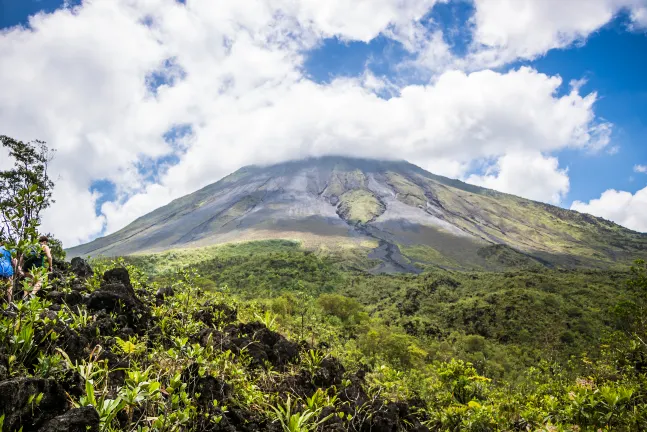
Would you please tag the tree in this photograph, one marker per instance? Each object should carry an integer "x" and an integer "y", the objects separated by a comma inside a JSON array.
[
  {"x": 25, "y": 191},
  {"x": 345, "y": 308}
]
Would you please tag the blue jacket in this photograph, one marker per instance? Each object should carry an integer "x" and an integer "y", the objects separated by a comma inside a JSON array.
[{"x": 6, "y": 267}]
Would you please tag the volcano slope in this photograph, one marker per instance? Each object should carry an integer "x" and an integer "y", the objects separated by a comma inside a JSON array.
[{"x": 403, "y": 217}]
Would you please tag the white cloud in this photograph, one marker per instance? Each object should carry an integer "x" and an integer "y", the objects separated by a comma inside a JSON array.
[
  {"x": 531, "y": 175},
  {"x": 510, "y": 29},
  {"x": 621, "y": 207},
  {"x": 639, "y": 17},
  {"x": 640, "y": 169},
  {"x": 82, "y": 86},
  {"x": 504, "y": 31},
  {"x": 74, "y": 210}
]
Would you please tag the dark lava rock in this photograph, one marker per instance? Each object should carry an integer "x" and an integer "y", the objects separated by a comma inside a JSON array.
[
  {"x": 73, "y": 298},
  {"x": 384, "y": 418},
  {"x": 60, "y": 266},
  {"x": 103, "y": 325},
  {"x": 283, "y": 352},
  {"x": 79, "y": 286},
  {"x": 4, "y": 368},
  {"x": 117, "y": 295},
  {"x": 333, "y": 423},
  {"x": 74, "y": 344},
  {"x": 354, "y": 394},
  {"x": 209, "y": 387},
  {"x": 73, "y": 383},
  {"x": 248, "y": 421},
  {"x": 113, "y": 298},
  {"x": 49, "y": 314},
  {"x": 262, "y": 343},
  {"x": 162, "y": 294},
  {"x": 330, "y": 372},
  {"x": 214, "y": 315},
  {"x": 18, "y": 412},
  {"x": 118, "y": 275},
  {"x": 55, "y": 297},
  {"x": 75, "y": 420},
  {"x": 81, "y": 268},
  {"x": 299, "y": 383},
  {"x": 257, "y": 341}
]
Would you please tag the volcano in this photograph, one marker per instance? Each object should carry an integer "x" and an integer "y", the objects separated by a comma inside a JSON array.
[{"x": 404, "y": 217}]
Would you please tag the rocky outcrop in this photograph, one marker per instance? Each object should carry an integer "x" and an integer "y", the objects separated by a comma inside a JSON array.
[
  {"x": 81, "y": 268},
  {"x": 259, "y": 343},
  {"x": 28, "y": 403},
  {"x": 117, "y": 295},
  {"x": 84, "y": 419}
]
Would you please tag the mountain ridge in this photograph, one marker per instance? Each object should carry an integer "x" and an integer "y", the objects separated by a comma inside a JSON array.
[{"x": 410, "y": 218}]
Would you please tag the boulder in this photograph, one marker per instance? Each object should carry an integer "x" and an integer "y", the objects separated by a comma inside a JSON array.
[
  {"x": 20, "y": 412},
  {"x": 81, "y": 268},
  {"x": 208, "y": 387},
  {"x": 55, "y": 297},
  {"x": 74, "y": 298},
  {"x": 162, "y": 294},
  {"x": 215, "y": 315},
  {"x": 118, "y": 275},
  {"x": 84, "y": 419},
  {"x": 4, "y": 368},
  {"x": 79, "y": 286},
  {"x": 113, "y": 298},
  {"x": 117, "y": 295},
  {"x": 259, "y": 343},
  {"x": 330, "y": 373}
]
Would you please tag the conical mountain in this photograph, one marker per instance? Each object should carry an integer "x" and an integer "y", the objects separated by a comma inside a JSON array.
[{"x": 399, "y": 213}]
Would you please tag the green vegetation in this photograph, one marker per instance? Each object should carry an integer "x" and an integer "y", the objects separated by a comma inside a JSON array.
[
  {"x": 407, "y": 192},
  {"x": 443, "y": 351},
  {"x": 426, "y": 254},
  {"x": 520, "y": 316},
  {"x": 359, "y": 206}
]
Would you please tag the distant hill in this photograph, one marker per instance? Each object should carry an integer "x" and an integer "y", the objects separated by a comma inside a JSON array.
[{"x": 402, "y": 215}]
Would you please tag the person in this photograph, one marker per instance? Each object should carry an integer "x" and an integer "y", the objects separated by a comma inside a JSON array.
[
  {"x": 37, "y": 259},
  {"x": 7, "y": 265}
]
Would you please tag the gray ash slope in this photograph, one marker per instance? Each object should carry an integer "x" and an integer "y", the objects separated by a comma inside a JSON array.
[{"x": 406, "y": 214}]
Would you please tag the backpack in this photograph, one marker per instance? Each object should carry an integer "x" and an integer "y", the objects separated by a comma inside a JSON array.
[
  {"x": 6, "y": 268},
  {"x": 33, "y": 258}
]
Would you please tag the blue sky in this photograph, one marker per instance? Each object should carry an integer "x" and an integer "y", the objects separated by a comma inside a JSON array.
[
  {"x": 612, "y": 63},
  {"x": 194, "y": 92},
  {"x": 17, "y": 12}
]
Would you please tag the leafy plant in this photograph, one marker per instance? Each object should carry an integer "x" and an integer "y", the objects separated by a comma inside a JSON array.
[
  {"x": 312, "y": 360},
  {"x": 292, "y": 420},
  {"x": 268, "y": 319}
]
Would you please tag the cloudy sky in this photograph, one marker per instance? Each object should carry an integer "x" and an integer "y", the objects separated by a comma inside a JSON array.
[{"x": 148, "y": 100}]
